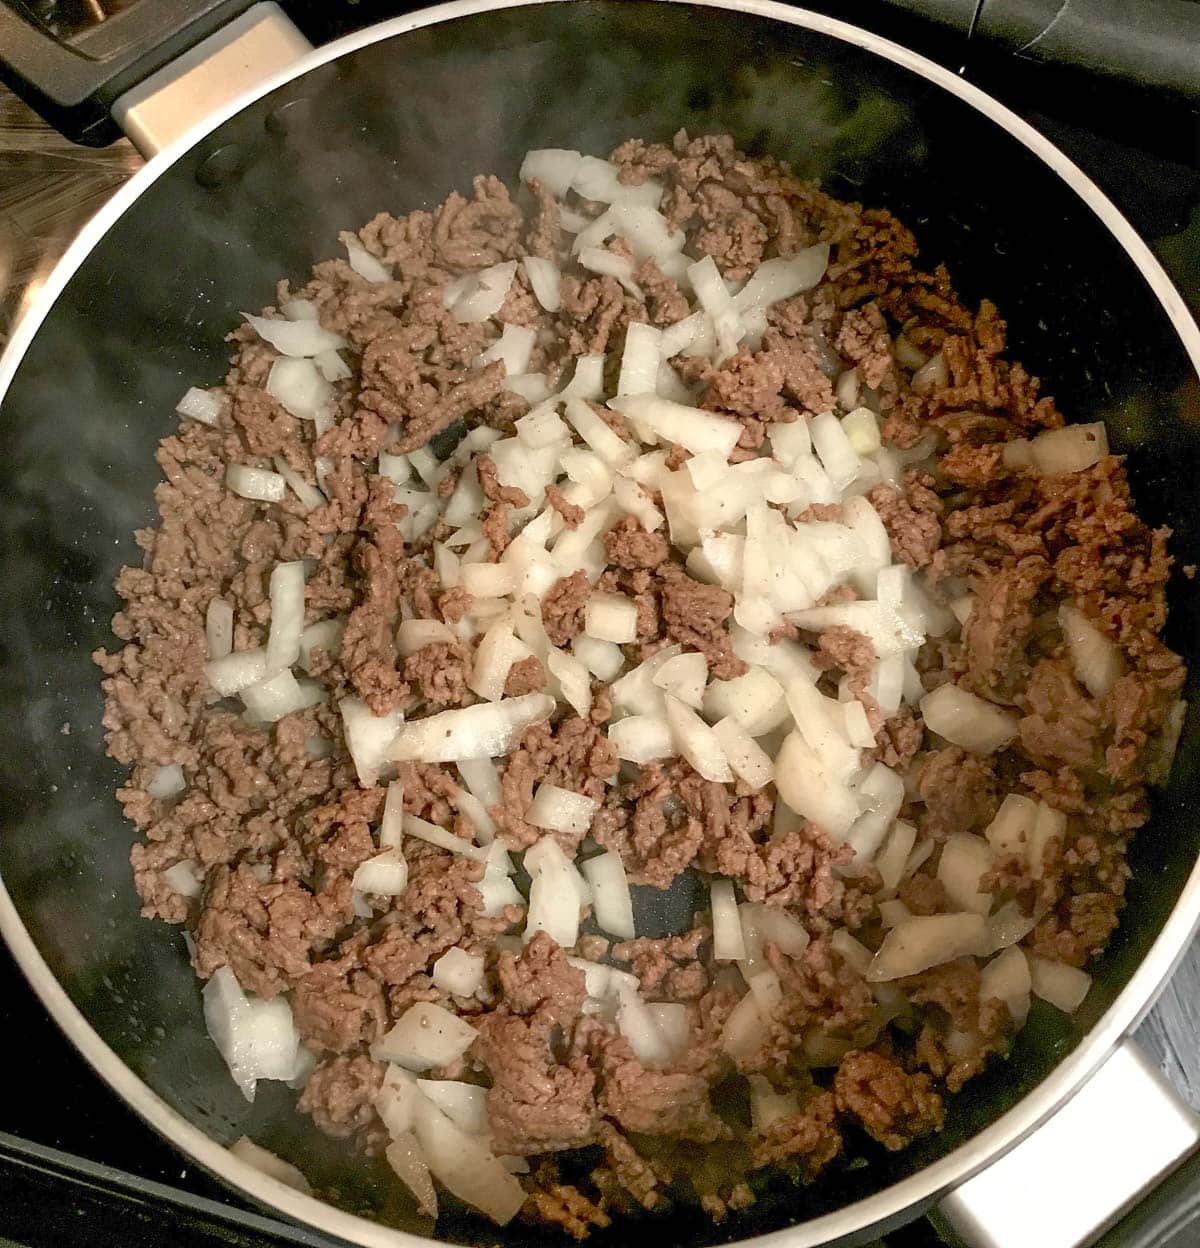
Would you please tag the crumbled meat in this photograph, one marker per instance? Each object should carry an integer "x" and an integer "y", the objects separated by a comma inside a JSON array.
[{"x": 273, "y": 822}]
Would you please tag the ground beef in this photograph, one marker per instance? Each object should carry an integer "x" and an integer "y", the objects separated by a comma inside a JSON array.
[{"x": 273, "y": 822}]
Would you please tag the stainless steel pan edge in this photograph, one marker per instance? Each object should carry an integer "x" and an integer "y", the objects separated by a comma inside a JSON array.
[{"x": 865, "y": 1218}]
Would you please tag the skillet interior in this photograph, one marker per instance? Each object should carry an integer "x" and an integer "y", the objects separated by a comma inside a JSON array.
[{"x": 396, "y": 125}]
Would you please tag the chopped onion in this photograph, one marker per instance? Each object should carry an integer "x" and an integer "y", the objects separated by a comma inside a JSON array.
[
  {"x": 861, "y": 427},
  {"x": 257, "y": 1038},
  {"x": 414, "y": 635},
  {"x": 965, "y": 859},
  {"x": 1049, "y": 825},
  {"x": 279, "y": 695},
  {"x": 385, "y": 875},
  {"x": 300, "y": 386},
  {"x": 838, "y": 457},
  {"x": 553, "y": 167},
  {"x": 487, "y": 580},
  {"x": 300, "y": 310},
  {"x": 235, "y": 672},
  {"x": 405, "y": 1157},
  {"x": 690, "y": 427},
  {"x": 610, "y": 264},
  {"x": 483, "y": 293},
  {"x": 697, "y": 742},
  {"x": 640, "y": 359},
  {"x": 182, "y": 879},
  {"x": 603, "y": 659},
  {"x": 560, "y": 810},
  {"x": 728, "y": 945},
  {"x": 639, "y": 1025},
  {"x": 647, "y": 231},
  {"x": 465, "y": 1104},
  {"x": 598, "y": 179},
  {"x": 1009, "y": 925},
  {"x": 554, "y": 895},
  {"x": 544, "y": 280},
  {"x": 1064, "y": 987},
  {"x": 218, "y": 628},
  {"x": 425, "y": 1036},
  {"x": 642, "y": 738},
  {"x": 308, "y": 494},
  {"x": 778, "y": 279},
  {"x": 458, "y": 972},
  {"x": 893, "y": 912},
  {"x": 684, "y": 676},
  {"x": 369, "y": 738},
  {"x": 201, "y": 405},
  {"x": 269, "y": 1164},
  {"x": 481, "y": 779},
  {"x": 811, "y": 790},
  {"x": 1096, "y": 659},
  {"x": 513, "y": 347},
  {"x": 465, "y": 1166},
  {"x": 716, "y": 301},
  {"x": 967, "y": 721},
  {"x": 755, "y": 700},
  {"x": 608, "y": 445},
  {"x": 332, "y": 366},
  {"x": 613, "y": 905},
  {"x": 256, "y": 484},
  {"x": 488, "y": 730},
  {"x": 853, "y": 952},
  {"x": 632, "y": 498},
  {"x": 932, "y": 375},
  {"x": 587, "y": 381},
  {"x": 767, "y": 1106},
  {"x": 1071, "y": 449},
  {"x": 745, "y": 1029},
  {"x": 891, "y": 859},
  {"x": 1007, "y": 978},
  {"x": 671, "y": 1019},
  {"x": 295, "y": 338},
  {"x": 426, "y": 831},
  {"x": 1009, "y": 832},
  {"x": 287, "y": 615},
  {"x": 924, "y": 941},
  {"x": 610, "y": 617},
  {"x": 749, "y": 761},
  {"x": 542, "y": 426},
  {"x": 361, "y": 261}
]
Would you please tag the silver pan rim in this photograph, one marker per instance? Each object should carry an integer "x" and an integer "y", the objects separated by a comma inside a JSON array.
[{"x": 885, "y": 1209}]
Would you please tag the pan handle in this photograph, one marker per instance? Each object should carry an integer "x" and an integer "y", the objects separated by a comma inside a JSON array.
[
  {"x": 1117, "y": 1166},
  {"x": 152, "y": 69}
]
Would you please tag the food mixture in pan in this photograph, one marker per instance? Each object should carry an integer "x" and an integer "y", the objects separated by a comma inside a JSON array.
[{"x": 656, "y": 525}]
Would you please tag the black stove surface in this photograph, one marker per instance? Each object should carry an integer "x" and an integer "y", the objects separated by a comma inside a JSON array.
[{"x": 77, "y": 1168}]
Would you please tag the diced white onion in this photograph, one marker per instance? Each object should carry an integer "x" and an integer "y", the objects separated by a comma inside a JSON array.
[
  {"x": 407, "y": 1160},
  {"x": 300, "y": 386},
  {"x": 332, "y": 366},
  {"x": 369, "y": 738},
  {"x": 385, "y": 875},
  {"x": 691, "y": 427},
  {"x": 684, "y": 676},
  {"x": 458, "y": 972},
  {"x": 1096, "y": 659},
  {"x": 201, "y": 405},
  {"x": 728, "y": 945},
  {"x": 257, "y": 1038},
  {"x": 425, "y": 1036},
  {"x": 235, "y": 672},
  {"x": 1071, "y": 449},
  {"x": 256, "y": 484},
  {"x": 965, "y": 858},
  {"x": 603, "y": 659},
  {"x": 745, "y": 1029},
  {"x": 218, "y": 628},
  {"x": 488, "y": 730},
  {"x": 361, "y": 261},
  {"x": 613, "y": 904},
  {"x": 780, "y": 278},
  {"x": 640, "y": 359},
  {"x": 269, "y": 1164},
  {"x": 598, "y": 179},
  {"x": 1007, "y": 978},
  {"x": 544, "y": 280},
  {"x": 435, "y": 835},
  {"x": 924, "y": 941},
  {"x": 611, "y": 448},
  {"x": 967, "y": 721},
  {"x": 749, "y": 761},
  {"x": 560, "y": 810},
  {"x": 1064, "y": 987},
  {"x": 295, "y": 338},
  {"x": 1009, "y": 832},
  {"x": 806, "y": 784},
  {"x": 182, "y": 879},
  {"x": 642, "y": 738},
  {"x": 554, "y": 895},
  {"x": 287, "y": 615},
  {"x": 697, "y": 742},
  {"x": 513, "y": 347},
  {"x": 610, "y": 617},
  {"x": 483, "y": 293},
  {"x": 553, "y": 167},
  {"x": 891, "y": 859}
]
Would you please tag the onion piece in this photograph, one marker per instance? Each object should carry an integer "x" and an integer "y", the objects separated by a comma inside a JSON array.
[
  {"x": 728, "y": 944},
  {"x": 542, "y": 426},
  {"x": 385, "y": 875},
  {"x": 861, "y": 427},
  {"x": 423, "y": 830},
  {"x": 415, "y": 635},
  {"x": 967, "y": 721},
  {"x": 218, "y": 628},
  {"x": 642, "y": 738},
  {"x": 640, "y": 359},
  {"x": 598, "y": 179},
  {"x": 853, "y": 952},
  {"x": 465, "y": 1166},
  {"x": 1070, "y": 449},
  {"x": 965, "y": 859},
  {"x": 690, "y": 427},
  {"x": 295, "y": 338},
  {"x": 1049, "y": 825},
  {"x": 308, "y": 494},
  {"x": 1096, "y": 659},
  {"x": 778, "y": 279},
  {"x": 484, "y": 731},
  {"x": 234, "y": 672},
  {"x": 744, "y": 1030},
  {"x": 755, "y": 700},
  {"x": 481, "y": 779},
  {"x": 287, "y": 615},
  {"x": 300, "y": 310},
  {"x": 811, "y": 790},
  {"x": 332, "y": 366},
  {"x": 396, "y": 1100},
  {"x": 280, "y": 695},
  {"x": 609, "y": 263},
  {"x": 268, "y": 1163},
  {"x": 767, "y": 1106},
  {"x": 610, "y": 617},
  {"x": 465, "y": 1104},
  {"x": 391, "y": 823},
  {"x": 748, "y": 760},
  {"x": 1009, "y": 832},
  {"x": 361, "y": 261},
  {"x": 554, "y": 895},
  {"x": 406, "y": 1159},
  {"x": 833, "y": 448},
  {"x": 604, "y": 659},
  {"x": 425, "y": 1036},
  {"x": 553, "y": 167},
  {"x": 483, "y": 294},
  {"x": 1007, "y": 978},
  {"x": 671, "y": 1019},
  {"x": 891, "y": 859},
  {"x": 182, "y": 879},
  {"x": 1064, "y": 987},
  {"x": 697, "y": 742},
  {"x": 587, "y": 381},
  {"x": 608, "y": 445},
  {"x": 513, "y": 347},
  {"x": 714, "y": 298},
  {"x": 458, "y": 972},
  {"x": 684, "y": 676},
  {"x": 256, "y": 484},
  {"x": 300, "y": 386},
  {"x": 257, "y": 1038},
  {"x": 639, "y": 1025},
  {"x": 369, "y": 738},
  {"x": 561, "y": 810},
  {"x": 544, "y": 280},
  {"x": 201, "y": 405},
  {"x": 611, "y": 900},
  {"x": 924, "y": 941}
]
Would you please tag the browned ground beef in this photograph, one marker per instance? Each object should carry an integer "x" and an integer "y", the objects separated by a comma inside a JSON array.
[{"x": 276, "y": 829}]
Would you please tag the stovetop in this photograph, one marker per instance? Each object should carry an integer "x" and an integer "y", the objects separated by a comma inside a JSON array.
[{"x": 76, "y": 1167}]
